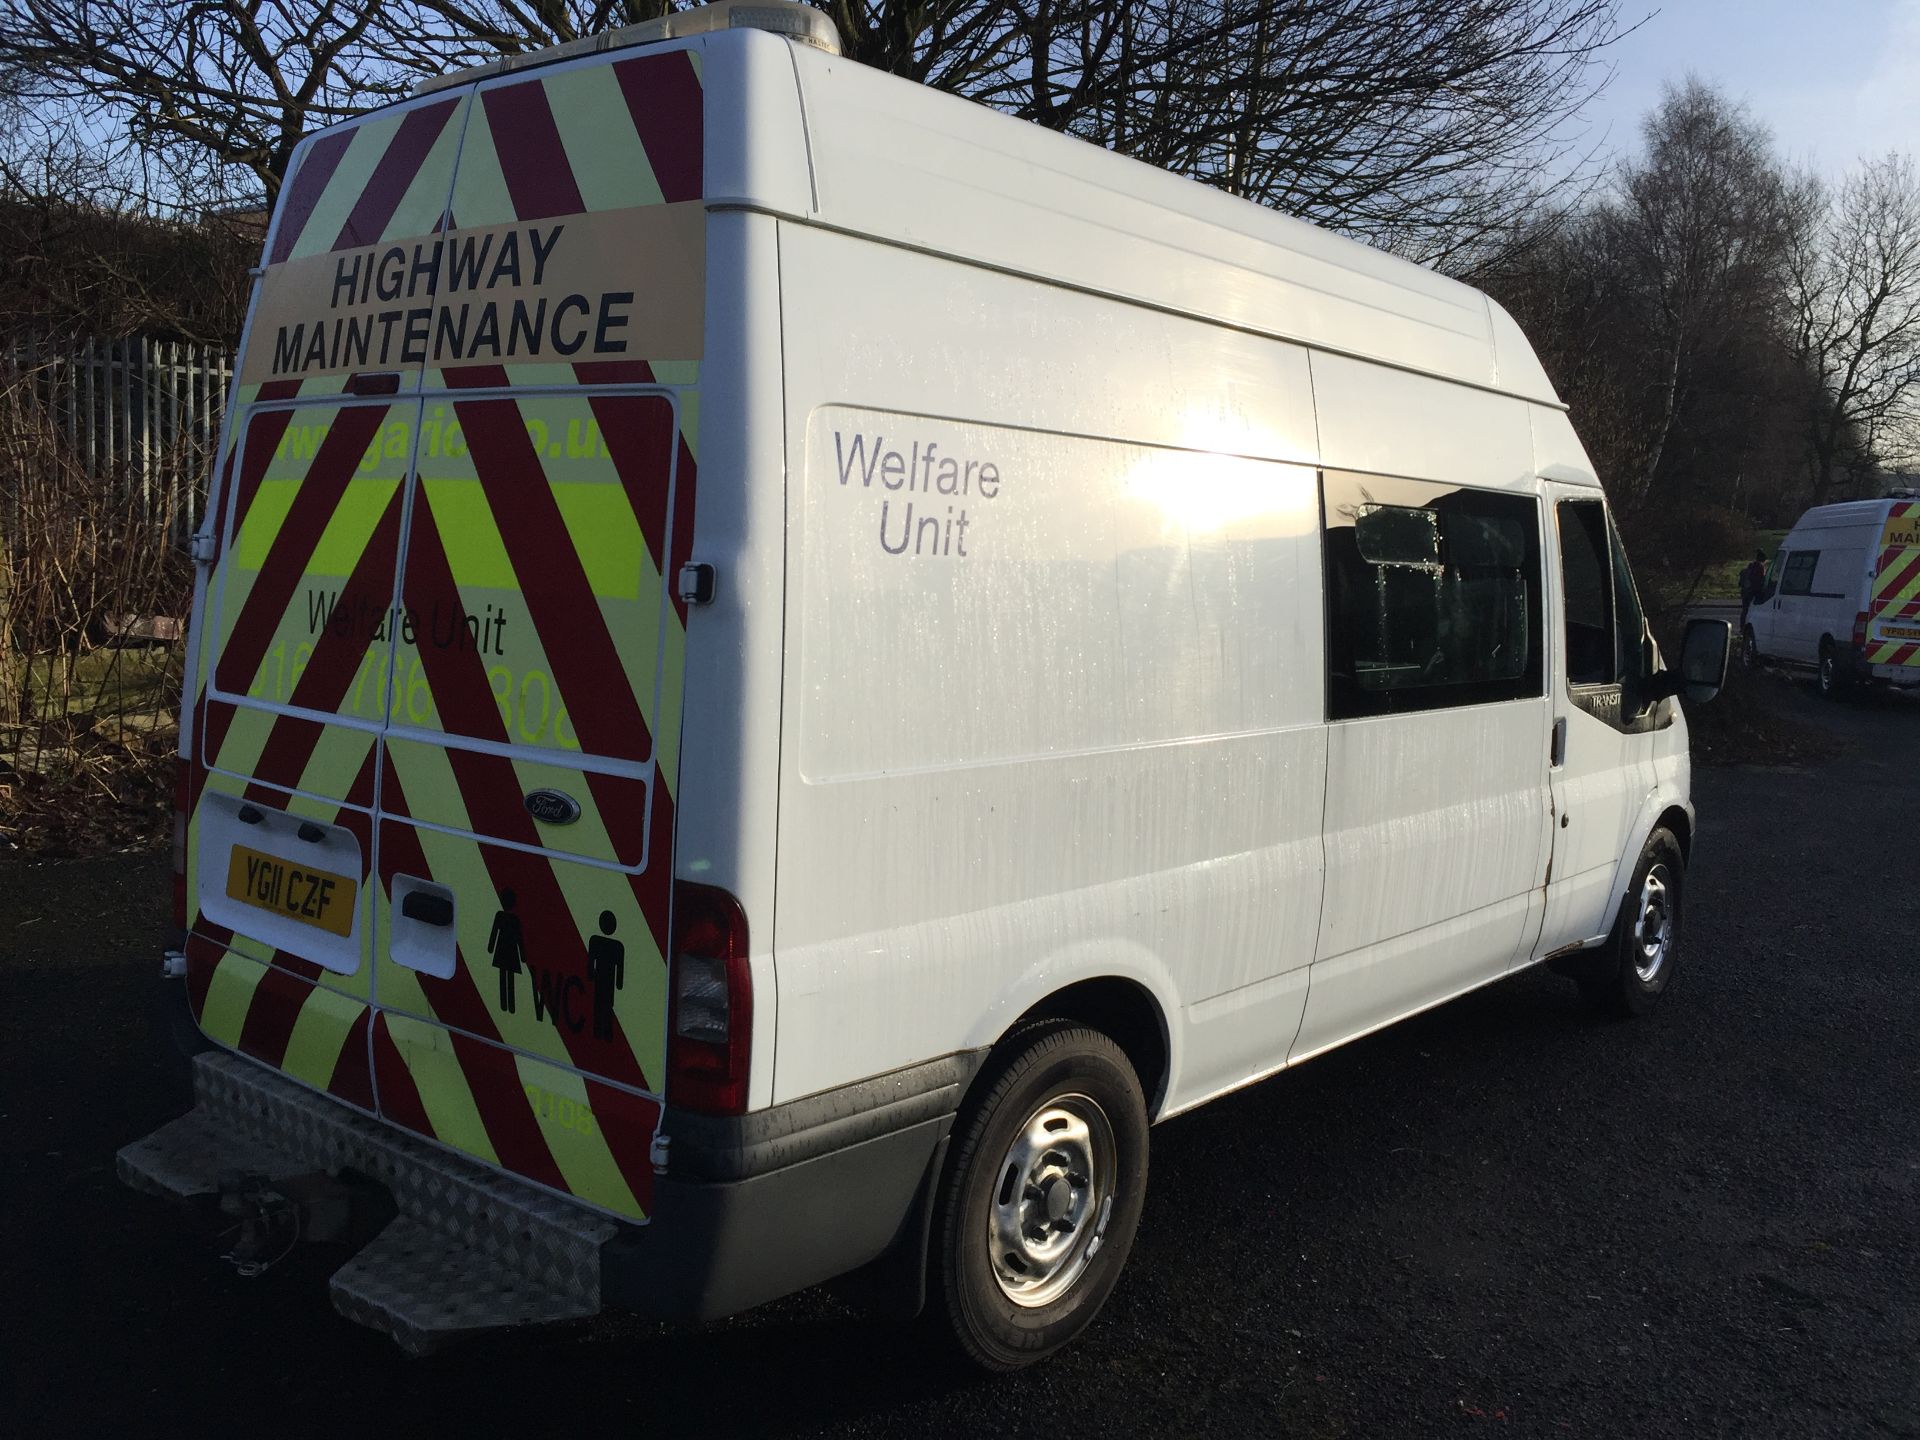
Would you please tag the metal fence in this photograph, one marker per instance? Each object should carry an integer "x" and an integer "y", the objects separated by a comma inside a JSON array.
[{"x": 143, "y": 413}]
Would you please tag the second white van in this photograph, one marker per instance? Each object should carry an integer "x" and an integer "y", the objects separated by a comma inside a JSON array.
[{"x": 1842, "y": 596}]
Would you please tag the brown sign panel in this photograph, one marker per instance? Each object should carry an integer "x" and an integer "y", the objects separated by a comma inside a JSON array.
[{"x": 614, "y": 285}]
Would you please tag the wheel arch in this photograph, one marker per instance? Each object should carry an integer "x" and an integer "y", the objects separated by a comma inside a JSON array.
[
  {"x": 1124, "y": 1010},
  {"x": 1661, "y": 810}
]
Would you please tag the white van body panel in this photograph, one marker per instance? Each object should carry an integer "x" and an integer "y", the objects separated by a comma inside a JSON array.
[
  {"x": 1277, "y": 884},
  {"x": 733, "y": 753},
  {"x": 952, "y": 851}
]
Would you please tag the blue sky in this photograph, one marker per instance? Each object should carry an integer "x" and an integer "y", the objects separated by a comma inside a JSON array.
[{"x": 1833, "y": 79}]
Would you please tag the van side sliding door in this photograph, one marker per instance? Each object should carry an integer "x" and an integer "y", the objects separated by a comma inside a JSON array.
[{"x": 1436, "y": 808}]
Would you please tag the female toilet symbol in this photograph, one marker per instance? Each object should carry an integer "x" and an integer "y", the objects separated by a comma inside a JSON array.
[{"x": 504, "y": 944}]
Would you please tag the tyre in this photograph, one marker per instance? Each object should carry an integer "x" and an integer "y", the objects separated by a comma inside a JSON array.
[
  {"x": 1749, "y": 649},
  {"x": 1041, "y": 1195},
  {"x": 1831, "y": 680},
  {"x": 1640, "y": 955}
]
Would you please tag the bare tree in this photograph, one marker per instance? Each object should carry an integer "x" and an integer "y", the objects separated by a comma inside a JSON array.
[
  {"x": 1697, "y": 244},
  {"x": 1426, "y": 125},
  {"x": 1856, "y": 310}
]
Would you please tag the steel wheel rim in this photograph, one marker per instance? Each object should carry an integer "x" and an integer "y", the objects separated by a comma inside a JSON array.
[
  {"x": 1653, "y": 929},
  {"x": 1052, "y": 1199}
]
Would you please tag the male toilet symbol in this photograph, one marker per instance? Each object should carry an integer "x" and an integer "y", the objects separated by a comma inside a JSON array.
[
  {"x": 607, "y": 971},
  {"x": 504, "y": 945}
]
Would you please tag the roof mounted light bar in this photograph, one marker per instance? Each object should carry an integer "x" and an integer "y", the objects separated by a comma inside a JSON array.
[{"x": 783, "y": 17}]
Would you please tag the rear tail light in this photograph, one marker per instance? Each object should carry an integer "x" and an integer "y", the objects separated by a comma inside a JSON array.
[
  {"x": 1860, "y": 630},
  {"x": 710, "y": 1003},
  {"x": 182, "y": 770}
]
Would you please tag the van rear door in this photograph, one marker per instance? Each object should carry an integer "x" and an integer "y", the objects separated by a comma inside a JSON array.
[
  {"x": 1893, "y": 618},
  {"x": 294, "y": 648},
  {"x": 501, "y": 615}
]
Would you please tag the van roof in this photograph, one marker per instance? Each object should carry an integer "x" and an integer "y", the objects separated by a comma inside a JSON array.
[
  {"x": 1844, "y": 513},
  {"x": 898, "y": 161}
]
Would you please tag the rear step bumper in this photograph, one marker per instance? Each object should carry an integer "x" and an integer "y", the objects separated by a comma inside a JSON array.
[
  {"x": 471, "y": 1248},
  {"x": 750, "y": 1208}
]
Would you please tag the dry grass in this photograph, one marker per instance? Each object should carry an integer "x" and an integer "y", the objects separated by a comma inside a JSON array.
[{"x": 86, "y": 723}]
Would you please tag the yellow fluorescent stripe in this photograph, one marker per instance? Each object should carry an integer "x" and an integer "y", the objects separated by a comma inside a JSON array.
[
  {"x": 479, "y": 189},
  {"x": 606, "y": 536},
  {"x": 246, "y": 737},
  {"x": 475, "y": 552},
  {"x": 427, "y": 783},
  {"x": 426, "y": 198},
  {"x": 264, "y": 517},
  {"x": 229, "y": 993},
  {"x": 335, "y": 764},
  {"x": 450, "y": 1107},
  {"x": 399, "y": 986},
  {"x": 345, "y": 186},
  {"x": 558, "y": 1099},
  {"x": 603, "y": 148},
  {"x": 350, "y": 528},
  {"x": 319, "y": 1033}
]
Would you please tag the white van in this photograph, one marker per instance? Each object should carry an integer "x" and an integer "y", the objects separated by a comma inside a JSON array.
[
  {"x": 1843, "y": 596},
  {"x": 784, "y": 663}
]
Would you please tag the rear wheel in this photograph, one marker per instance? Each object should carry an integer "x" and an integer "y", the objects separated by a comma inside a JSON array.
[
  {"x": 1041, "y": 1196},
  {"x": 1638, "y": 963},
  {"x": 1832, "y": 680}
]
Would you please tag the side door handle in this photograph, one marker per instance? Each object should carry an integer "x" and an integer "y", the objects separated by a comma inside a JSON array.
[{"x": 1558, "y": 755}]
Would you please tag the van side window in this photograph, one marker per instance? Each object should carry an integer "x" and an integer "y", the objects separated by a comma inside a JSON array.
[
  {"x": 1586, "y": 569},
  {"x": 1797, "y": 577},
  {"x": 1433, "y": 596}
]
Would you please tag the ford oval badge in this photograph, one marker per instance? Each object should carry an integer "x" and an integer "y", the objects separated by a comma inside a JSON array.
[{"x": 553, "y": 807}]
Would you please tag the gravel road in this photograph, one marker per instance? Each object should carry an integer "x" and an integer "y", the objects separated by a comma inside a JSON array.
[{"x": 1502, "y": 1215}]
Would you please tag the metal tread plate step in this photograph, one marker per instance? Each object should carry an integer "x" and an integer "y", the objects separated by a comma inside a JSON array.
[
  {"x": 427, "y": 1291},
  {"x": 471, "y": 1248}
]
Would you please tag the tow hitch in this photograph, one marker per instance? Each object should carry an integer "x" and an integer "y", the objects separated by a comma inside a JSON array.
[{"x": 271, "y": 1216}]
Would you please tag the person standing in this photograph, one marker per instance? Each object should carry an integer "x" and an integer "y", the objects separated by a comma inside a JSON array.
[{"x": 1753, "y": 580}]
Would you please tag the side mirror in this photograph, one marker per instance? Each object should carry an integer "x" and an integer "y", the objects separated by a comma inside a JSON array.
[{"x": 1703, "y": 659}]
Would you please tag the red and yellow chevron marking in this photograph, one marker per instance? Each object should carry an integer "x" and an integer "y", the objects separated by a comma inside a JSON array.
[
  {"x": 1894, "y": 628},
  {"x": 536, "y": 645},
  {"x": 536, "y": 547}
]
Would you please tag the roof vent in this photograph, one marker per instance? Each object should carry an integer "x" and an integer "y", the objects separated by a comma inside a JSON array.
[{"x": 783, "y": 17}]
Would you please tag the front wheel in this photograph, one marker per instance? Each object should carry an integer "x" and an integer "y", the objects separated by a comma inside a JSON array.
[
  {"x": 1638, "y": 961},
  {"x": 1041, "y": 1196}
]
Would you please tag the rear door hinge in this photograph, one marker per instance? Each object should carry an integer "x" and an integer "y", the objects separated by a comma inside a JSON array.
[
  {"x": 202, "y": 548},
  {"x": 697, "y": 582}
]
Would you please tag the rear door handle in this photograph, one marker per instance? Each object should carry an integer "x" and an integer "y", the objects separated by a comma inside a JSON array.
[{"x": 427, "y": 907}]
